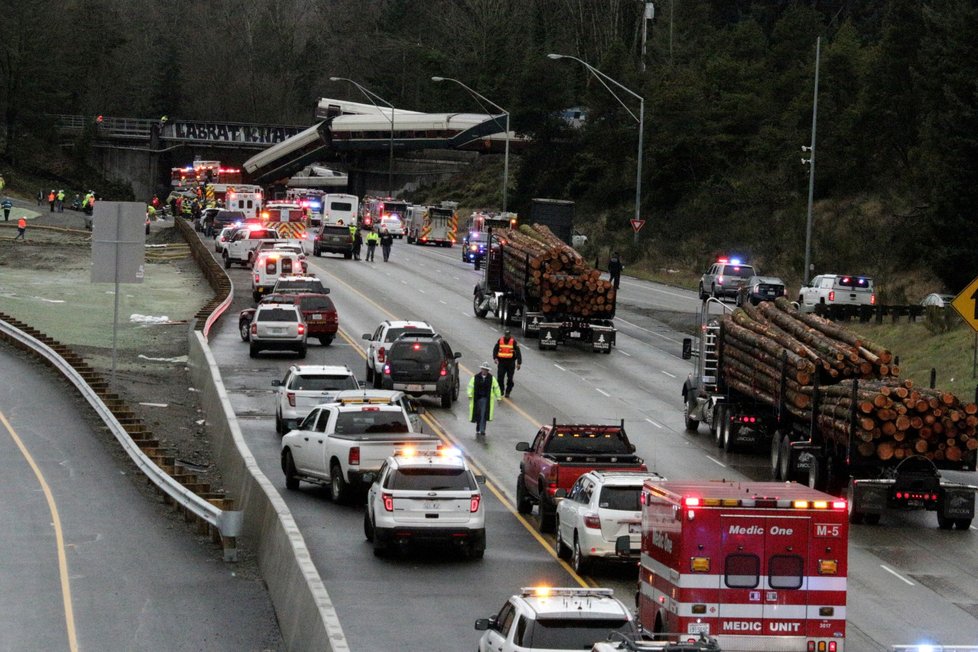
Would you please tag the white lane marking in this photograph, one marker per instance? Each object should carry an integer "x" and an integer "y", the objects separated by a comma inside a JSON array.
[
  {"x": 627, "y": 355},
  {"x": 443, "y": 302},
  {"x": 668, "y": 339},
  {"x": 463, "y": 313},
  {"x": 657, "y": 425},
  {"x": 974, "y": 528},
  {"x": 713, "y": 459},
  {"x": 667, "y": 373},
  {"x": 559, "y": 367},
  {"x": 896, "y": 574},
  {"x": 603, "y": 392},
  {"x": 402, "y": 282},
  {"x": 421, "y": 291}
]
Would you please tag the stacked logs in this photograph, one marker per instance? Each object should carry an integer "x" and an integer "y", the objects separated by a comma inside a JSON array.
[
  {"x": 890, "y": 420},
  {"x": 553, "y": 274}
]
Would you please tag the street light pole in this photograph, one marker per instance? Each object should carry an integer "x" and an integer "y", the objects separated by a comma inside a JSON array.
[
  {"x": 370, "y": 96},
  {"x": 640, "y": 119},
  {"x": 811, "y": 168},
  {"x": 499, "y": 108}
]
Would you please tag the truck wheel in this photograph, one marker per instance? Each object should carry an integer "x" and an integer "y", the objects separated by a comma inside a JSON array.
[
  {"x": 721, "y": 417},
  {"x": 244, "y": 329},
  {"x": 288, "y": 467},
  {"x": 253, "y": 350},
  {"x": 326, "y": 340},
  {"x": 785, "y": 461},
  {"x": 446, "y": 398},
  {"x": 476, "y": 301},
  {"x": 370, "y": 374},
  {"x": 524, "y": 504},
  {"x": 580, "y": 563},
  {"x": 547, "y": 516},
  {"x": 689, "y": 405},
  {"x": 501, "y": 311},
  {"x": 855, "y": 517},
  {"x": 279, "y": 424},
  {"x": 227, "y": 261},
  {"x": 816, "y": 475},
  {"x": 368, "y": 527},
  {"x": 729, "y": 435},
  {"x": 962, "y": 523},
  {"x": 872, "y": 519},
  {"x": 378, "y": 379},
  {"x": 944, "y": 522},
  {"x": 337, "y": 485},
  {"x": 455, "y": 390},
  {"x": 776, "y": 455}
]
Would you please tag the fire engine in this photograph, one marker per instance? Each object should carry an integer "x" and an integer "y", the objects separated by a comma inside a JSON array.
[
  {"x": 761, "y": 566},
  {"x": 204, "y": 172},
  {"x": 482, "y": 221},
  {"x": 375, "y": 212},
  {"x": 290, "y": 219}
]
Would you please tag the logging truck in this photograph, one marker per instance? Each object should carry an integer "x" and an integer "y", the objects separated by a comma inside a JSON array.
[
  {"x": 831, "y": 412},
  {"x": 537, "y": 282}
]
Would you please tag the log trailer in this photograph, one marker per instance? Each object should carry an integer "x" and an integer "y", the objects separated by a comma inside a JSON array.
[
  {"x": 830, "y": 445},
  {"x": 514, "y": 303}
]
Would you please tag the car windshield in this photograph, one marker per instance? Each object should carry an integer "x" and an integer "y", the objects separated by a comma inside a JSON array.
[
  {"x": 625, "y": 499},
  {"x": 394, "y": 333},
  {"x": 570, "y": 634},
  {"x": 587, "y": 443},
  {"x": 430, "y": 479},
  {"x": 277, "y": 314},
  {"x": 370, "y": 420},
  {"x": 321, "y": 382},
  {"x": 318, "y": 302},
  {"x": 740, "y": 271},
  {"x": 422, "y": 352}
]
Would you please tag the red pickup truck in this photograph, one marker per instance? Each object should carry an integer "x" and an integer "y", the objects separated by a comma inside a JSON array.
[{"x": 560, "y": 454}]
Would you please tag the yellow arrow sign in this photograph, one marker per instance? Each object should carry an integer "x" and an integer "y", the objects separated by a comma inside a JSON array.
[{"x": 966, "y": 303}]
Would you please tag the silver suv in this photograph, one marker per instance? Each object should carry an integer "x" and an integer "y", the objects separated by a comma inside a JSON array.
[
  {"x": 424, "y": 496},
  {"x": 277, "y": 327},
  {"x": 724, "y": 278},
  {"x": 306, "y": 386}
]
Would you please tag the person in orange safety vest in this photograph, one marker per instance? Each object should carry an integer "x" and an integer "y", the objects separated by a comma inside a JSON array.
[{"x": 508, "y": 359}]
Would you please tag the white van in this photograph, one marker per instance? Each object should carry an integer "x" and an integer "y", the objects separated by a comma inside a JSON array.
[
  {"x": 269, "y": 266},
  {"x": 340, "y": 209}
]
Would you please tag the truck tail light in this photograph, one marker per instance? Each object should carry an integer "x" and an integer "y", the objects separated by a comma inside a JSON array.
[
  {"x": 257, "y": 278},
  {"x": 474, "y": 503},
  {"x": 388, "y": 502},
  {"x": 831, "y": 295},
  {"x": 291, "y": 397},
  {"x": 592, "y": 521},
  {"x": 302, "y": 329},
  {"x": 381, "y": 355},
  {"x": 354, "y": 457},
  {"x": 872, "y": 299}
]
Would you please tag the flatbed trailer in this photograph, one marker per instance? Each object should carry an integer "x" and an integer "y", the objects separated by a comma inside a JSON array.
[
  {"x": 802, "y": 451},
  {"x": 513, "y": 304}
]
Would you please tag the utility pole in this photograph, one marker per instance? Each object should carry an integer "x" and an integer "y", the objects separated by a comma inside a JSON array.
[{"x": 811, "y": 168}]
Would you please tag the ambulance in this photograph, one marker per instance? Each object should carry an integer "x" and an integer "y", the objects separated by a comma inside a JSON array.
[{"x": 761, "y": 566}]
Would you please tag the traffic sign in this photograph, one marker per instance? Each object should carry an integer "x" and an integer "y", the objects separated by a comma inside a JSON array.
[
  {"x": 966, "y": 303},
  {"x": 637, "y": 225}
]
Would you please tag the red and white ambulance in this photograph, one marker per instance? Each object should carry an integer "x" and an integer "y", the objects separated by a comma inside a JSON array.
[{"x": 759, "y": 565}]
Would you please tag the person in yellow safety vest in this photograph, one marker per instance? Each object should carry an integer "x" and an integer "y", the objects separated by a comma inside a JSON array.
[
  {"x": 508, "y": 359},
  {"x": 483, "y": 392},
  {"x": 61, "y": 201},
  {"x": 151, "y": 212},
  {"x": 373, "y": 239}
]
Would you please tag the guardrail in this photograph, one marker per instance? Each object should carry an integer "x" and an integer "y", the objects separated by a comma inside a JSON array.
[
  {"x": 869, "y": 313},
  {"x": 215, "y": 275},
  {"x": 228, "y": 523}
]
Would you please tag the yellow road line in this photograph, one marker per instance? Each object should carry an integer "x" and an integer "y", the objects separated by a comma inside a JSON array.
[{"x": 59, "y": 536}]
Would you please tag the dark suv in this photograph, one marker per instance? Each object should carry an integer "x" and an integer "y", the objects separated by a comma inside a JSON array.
[
  {"x": 335, "y": 239},
  {"x": 223, "y": 218},
  {"x": 422, "y": 364}
]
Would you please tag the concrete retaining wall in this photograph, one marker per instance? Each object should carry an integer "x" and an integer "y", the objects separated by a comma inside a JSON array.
[{"x": 305, "y": 612}]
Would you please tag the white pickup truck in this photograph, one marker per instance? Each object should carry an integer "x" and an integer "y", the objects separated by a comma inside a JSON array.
[
  {"x": 241, "y": 248},
  {"x": 336, "y": 445},
  {"x": 835, "y": 289}
]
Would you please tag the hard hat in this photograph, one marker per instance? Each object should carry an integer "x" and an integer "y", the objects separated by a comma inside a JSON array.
[
  {"x": 485, "y": 365},
  {"x": 507, "y": 332}
]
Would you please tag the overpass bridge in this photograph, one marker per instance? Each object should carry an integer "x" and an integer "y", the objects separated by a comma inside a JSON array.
[{"x": 369, "y": 143}]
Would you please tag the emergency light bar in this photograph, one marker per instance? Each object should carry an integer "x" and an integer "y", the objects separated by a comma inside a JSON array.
[
  {"x": 762, "y": 502},
  {"x": 570, "y": 592}
]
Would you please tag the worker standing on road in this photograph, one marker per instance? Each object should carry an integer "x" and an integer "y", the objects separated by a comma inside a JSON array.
[
  {"x": 483, "y": 392},
  {"x": 40, "y": 197},
  {"x": 21, "y": 229},
  {"x": 51, "y": 198},
  {"x": 386, "y": 242},
  {"x": 372, "y": 241},
  {"x": 508, "y": 359},
  {"x": 60, "y": 203},
  {"x": 7, "y": 205},
  {"x": 357, "y": 242},
  {"x": 614, "y": 269}
]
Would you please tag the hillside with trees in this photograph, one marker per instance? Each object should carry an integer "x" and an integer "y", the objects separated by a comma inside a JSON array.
[{"x": 728, "y": 89}]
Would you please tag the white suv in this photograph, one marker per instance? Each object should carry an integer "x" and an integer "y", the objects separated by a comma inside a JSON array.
[
  {"x": 277, "y": 326},
  {"x": 600, "y": 508},
  {"x": 306, "y": 386},
  {"x": 379, "y": 343},
  {"x": 426, "y": 496},
  {"x": 546, "y": 618},
  {"x": 269, "y": 266}
]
